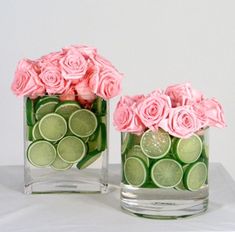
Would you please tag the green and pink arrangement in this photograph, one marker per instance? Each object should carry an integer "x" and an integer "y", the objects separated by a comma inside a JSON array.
[{"x": 180, "y": 110}]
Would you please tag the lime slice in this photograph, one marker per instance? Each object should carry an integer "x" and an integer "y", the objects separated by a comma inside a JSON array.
[
  {"x": 40, "y": 100},
  {"x": 60, "y": 165},
  {"x": 126, "y": 142},
  {"x": 29, "y": 133},
  {"x": 30, "y": 117},
  {"x": 66, "y": 108},
  {"x": 88, "y": 159},
  {"x": 52, "y": 127},
  {"x": 135, "y": 171},
  {"x": 83, "y": 123},
  {"x": 137, "y": 152},
  {"x": 155, "y": 144},
  {"x": 180, "y": 186},
  {"x": 166, "y": 173},
  {"x": 71, "y": 149},
  {"x": 100, "y": 143},
  {"x": 41, "y": 153},
  {"x": 45, "y": 106},
  {"x": 195, "y": 176},
  {"x": 99, "y": 106},
  {"x": 188, "y": 150},
  {"x": 36, "y": 133}
]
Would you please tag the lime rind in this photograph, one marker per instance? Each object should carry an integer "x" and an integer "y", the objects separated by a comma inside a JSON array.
[
  {"x": 166, "y": 173},
  {"x": 65, "y": 109},
  {"x": 88, "y": 160},
  {"x": 78, "y": 123},
  {"x": 155, "y": 144},
  {"x": 30, "y": 117},
  {"x": 191, "y": 155},
  {"x": 199, "y": 182},
  {"x": 36, "y": 133},
  {"x": 129, "y": 172},
  {"x": 46, "y": 149},
  {"x": 46, "y": 108},
  {"x": 45, "y": 130}
]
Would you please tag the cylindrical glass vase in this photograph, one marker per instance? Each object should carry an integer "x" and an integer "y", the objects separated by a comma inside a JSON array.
[
  {"x": 66, "y": 145},
  {"x": 164, "y": 176}
]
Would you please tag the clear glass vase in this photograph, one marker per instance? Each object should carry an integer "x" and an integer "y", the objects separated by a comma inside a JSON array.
[
  {"x": 163, "y": 176},
  {"x": 66, "y": 145}
]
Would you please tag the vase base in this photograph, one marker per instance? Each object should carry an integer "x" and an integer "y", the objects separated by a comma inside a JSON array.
[
  {"x": 163, "y": 203},
  {"x": 69, "y": 181},
  {"x": 60, "y": 187}
]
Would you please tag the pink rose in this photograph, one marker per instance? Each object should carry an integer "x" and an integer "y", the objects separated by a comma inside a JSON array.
[
  {"x": 87, "y": 51},
  {"x": 126, "y": 120},
  {"x": 199, "y": 110},
  {"x": 182, "y": 122},
  {"x": 214, "y": 112},
  {"x": 52, "y": 58},
  {"x": 73, "y": 65},
  {"x": 53, "y": 81},
  {"x": 100, "y": 61},
  {"x": 84, "y": 93},
  {"x": 106, "y": 82},
  {"x": 26, "y": 81},
  {"x": 183, "y": 94},
  {"x": 69, "y": 94},
  {"x": 153, "y": 109}
]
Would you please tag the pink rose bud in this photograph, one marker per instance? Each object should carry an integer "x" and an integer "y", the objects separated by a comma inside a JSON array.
[
  {"x": 84, "y": 93},
  {"x": 69, "y": 94},
  {"x": 153, "y": 109},
  {"x": 182, "y": 122},
  {"x": 52, "y": 58},
  {"x": 73, "y": 65},
  {"x": 53, "y": 81},
  {"x": 106, "y": 82},
  {"x": 125, "y": 118},
  {"x": 214, "y": 113},
  {"x": 26, "y": 81},
  {"x": 183, "y": 94}
]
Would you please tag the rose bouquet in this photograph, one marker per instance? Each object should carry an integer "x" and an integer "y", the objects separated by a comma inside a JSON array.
[
  {"x": 165, "y": 148},
  {"x": 66, "y": 95}
]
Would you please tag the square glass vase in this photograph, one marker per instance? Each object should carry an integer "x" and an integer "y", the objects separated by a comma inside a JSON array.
[
  {"x": 65, "y": 145},
  {"x": 164, "y": 177}
]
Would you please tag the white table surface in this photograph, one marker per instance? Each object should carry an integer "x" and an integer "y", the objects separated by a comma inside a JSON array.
[{"x": 101, "y": 212}]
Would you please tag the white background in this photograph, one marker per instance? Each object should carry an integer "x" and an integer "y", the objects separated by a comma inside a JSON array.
[{"x": 155, "y": 43}]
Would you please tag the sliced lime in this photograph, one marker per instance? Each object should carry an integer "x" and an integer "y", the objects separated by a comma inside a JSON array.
[
  {"x": 66, "y": 108},
  {"x": 99, "y": 106},
  {"x": 60, "y": 165},
  {"x": 155, "y": 144},
  {"x": 100, "y": 143},
  {"x": 83, "y": 123},
  {"x": 180, "y": 186},
  {"x": 88, "y": 159},
  {"x": 137, "y": 152},
  {"x": 126, "y": 142},
  {"x": 71, "y": 149},
  {"x": 52, "y": 127},
  {"x": 45, "y": 106},
  {"x": 195, "y": 176},
  {"x": 166, "y": 173},
  {"x": 29, "y": 133},
  {"x": 41, "y": 153},
  {"x": 188, "y": 150},
  {"x": 30, "y": 117},
  {"x": 36, "y": 133},
  {"x": 135, "y": 171}
]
